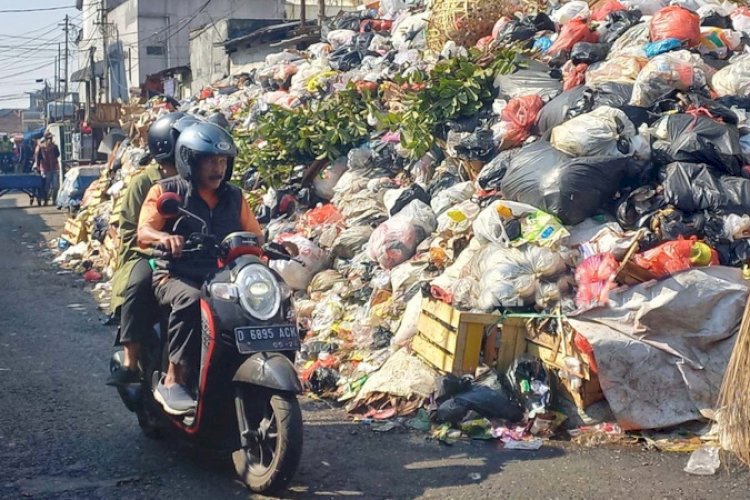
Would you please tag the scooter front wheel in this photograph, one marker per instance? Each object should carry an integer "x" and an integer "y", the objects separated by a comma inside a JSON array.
[{"x": 270, "y": 426}]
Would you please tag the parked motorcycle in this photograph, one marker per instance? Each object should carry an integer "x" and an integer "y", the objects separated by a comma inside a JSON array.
[{"x": 247, "y": 386}]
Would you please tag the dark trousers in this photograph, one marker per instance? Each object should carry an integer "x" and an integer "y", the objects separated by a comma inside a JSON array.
[
  {"x": 183, "y": 297},
  {"x": 138, "y": 312}
]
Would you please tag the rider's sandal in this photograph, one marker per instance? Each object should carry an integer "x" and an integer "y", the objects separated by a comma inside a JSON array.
[{"x": 124, "y": 376}]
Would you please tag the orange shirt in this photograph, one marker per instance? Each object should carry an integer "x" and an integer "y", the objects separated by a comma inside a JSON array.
[{"x": 150, "y": 215}]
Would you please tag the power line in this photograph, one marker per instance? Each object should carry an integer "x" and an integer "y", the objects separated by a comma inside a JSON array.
[{"x": 45, "y": 9}]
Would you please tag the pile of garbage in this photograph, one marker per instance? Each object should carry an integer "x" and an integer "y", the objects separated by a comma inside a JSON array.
[{"x": 558, "y": 168}]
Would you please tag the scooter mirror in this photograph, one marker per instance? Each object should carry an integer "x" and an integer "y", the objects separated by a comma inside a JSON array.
[{"x": 168, "y": 205}]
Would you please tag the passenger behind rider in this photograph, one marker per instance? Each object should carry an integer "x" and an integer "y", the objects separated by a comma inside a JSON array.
[
  {"x": 132, "y": 291},
  {"x": 204, "y": 156}
]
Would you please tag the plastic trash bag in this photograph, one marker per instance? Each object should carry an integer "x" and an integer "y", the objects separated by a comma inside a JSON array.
[
  {"x": 555, "y": 111},
  {"x": 492, "y": 173},
  {"x": 458, "y": 219},
  {"x": 637, "y": 208},
  {"x": 675, "y": 256},
  {"x": 697, "y": 139},
  {"x": 570, "y": 188},
  {"x": 407, "y": 329},
  {"x": 340, "y": 38},
  {"x": 603, "y": 132},
  {"x": 574, "y": 75},
  {"x": 487, "y": 402},
  {"x": 620, "y": 69},
  {"x": 451, "y": 196},
  {"x": 733, "y": 79},
  {"x": 618, "y": 24},
  {"x": 477, "y": 145},
  {"x": 569, "y": 11},
  {"x": 648, "y": 7},
  {"x": 693, "y": 186},
  {"x": 676, "y": 22},
  {"x": 741, "y": 19},
  {"x": 653, "y": 49},
  {"x": 325, "y": 182},
  {"x": 718, "y": 42},
  {"x": 533, "y": 81},
  {"x": 589, "y": 53},
  {"x": 577, "y": 30},
  {"x": 396, "y": 240},
  {"x": 679, "y": 70},
  {"x": 396, "y": 199},
  {"x": 594, "y": 278},
  {"x": 531, "y": 382},
  {"x": 309, "y": 259},
  {"x": 521, "y": 114},
  {"x": 628, "y": 43},
  {"x": 605, "y": 9}
]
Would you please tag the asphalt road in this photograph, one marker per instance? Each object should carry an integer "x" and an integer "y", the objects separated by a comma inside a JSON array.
[{"x": 64, "y": 434}]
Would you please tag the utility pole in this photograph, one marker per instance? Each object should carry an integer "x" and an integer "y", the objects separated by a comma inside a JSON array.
[{"x": 67, "y": 56}]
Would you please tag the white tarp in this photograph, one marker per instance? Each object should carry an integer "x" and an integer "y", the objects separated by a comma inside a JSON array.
[{"x": 662, "y": 347}]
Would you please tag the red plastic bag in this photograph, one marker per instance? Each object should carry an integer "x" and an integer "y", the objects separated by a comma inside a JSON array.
[
  {"x": 320, "y": 215},
  {"x": 484, "y": 42},
  {"x": 606, "y": 9},
  {"x": 521, "y": 114},
  {"x": 577, "y": 30},
  {"x": 673, "y": 256},
  {"x": 574, "y": 75},
  {"x": 676, "y": 22},
  {"x": 375, "y": 25},
  {"x": 595, "y": 278}
]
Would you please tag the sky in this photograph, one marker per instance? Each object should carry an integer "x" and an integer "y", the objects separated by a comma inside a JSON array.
[{"x": 28, "y": 47}]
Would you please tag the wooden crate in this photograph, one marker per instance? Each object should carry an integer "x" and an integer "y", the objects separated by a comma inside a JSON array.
[
  {"x": 451, "y": 340},
  {"x": 552, "y": 350},
  {"x": 511, "y": 342},
  {"x": 74, "y": 231}
]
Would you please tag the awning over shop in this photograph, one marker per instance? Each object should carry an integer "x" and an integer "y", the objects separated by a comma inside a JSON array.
[{"x": 84, "y": 74}]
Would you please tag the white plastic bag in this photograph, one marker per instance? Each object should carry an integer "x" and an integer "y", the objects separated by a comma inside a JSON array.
[
  {"x": 681, "y": 70},
  {"x": 458, "y": 219},
  {"x": 325, "y": 182},
  {"x": 733, "y": 79},
  {"x": 451, "y": 196},
  {"x": 569, "y": 11},
  {"x": 604, "y": 131},
  {"x": 339, "y": 38},
  {"x": 395, "y": 240},
  {"x": 309, "y": 259},
  {"x": 409, "y": 321}
]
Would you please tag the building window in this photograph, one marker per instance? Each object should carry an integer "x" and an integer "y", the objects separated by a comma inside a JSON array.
[{"x": 154, "y": 50}]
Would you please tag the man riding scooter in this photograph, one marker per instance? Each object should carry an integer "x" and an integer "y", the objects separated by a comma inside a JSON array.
[
  {"x": 132, "y": 291},
  {"x": 204, "y": 158}
]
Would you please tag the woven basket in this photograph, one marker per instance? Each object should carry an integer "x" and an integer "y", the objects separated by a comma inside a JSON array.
[{"x": 466, "y": 21}]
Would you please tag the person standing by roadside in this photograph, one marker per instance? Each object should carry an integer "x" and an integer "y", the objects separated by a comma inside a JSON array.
[{"x": 47, "y": 160}]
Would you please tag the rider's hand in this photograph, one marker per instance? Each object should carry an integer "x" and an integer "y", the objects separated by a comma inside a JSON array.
[{"x": 173, "y": 244}]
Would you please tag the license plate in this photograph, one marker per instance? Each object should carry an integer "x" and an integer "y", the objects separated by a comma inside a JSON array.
[{"x": 266, "y": 338}]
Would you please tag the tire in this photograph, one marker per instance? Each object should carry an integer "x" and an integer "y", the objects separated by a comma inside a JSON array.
[
  {"x": 259, "y": 473},
  {"x": 148, "y": 427}
]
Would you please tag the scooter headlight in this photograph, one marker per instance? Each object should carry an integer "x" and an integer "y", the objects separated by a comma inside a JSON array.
[{"x": 259, "y": 292}]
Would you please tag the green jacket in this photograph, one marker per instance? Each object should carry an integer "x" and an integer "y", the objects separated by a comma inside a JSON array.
[{"x": 130, "y": 210}]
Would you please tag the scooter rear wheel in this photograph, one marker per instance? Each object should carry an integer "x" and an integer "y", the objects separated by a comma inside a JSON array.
[{"x": 270, "y": 425}]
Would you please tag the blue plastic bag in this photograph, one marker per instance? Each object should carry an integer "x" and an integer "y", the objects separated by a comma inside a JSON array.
[
  {"x": 653, "y": 49},
  {"x": 542, "y": 44}
]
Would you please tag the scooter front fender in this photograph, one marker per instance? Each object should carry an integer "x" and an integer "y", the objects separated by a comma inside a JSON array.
[{"x": 269, "y": 369}]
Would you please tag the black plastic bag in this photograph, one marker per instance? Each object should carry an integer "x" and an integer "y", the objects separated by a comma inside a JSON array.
[
  {"x": 717, "y": 21},
  {"x": 614, "y": 95},
  {"x": 618, "y": 22},
  {"x": 637, "y": 208},
  {"x": 556, "y": 111},
  {"x": 479, "y": 145},
  {"x": 492, "y": 173},
  {"x": 670, "y": 224},
  {"x": 695, "y": 186},
  {"x": 589, "y": 53},
  {"x": 570, "y": 188},
  {"x": 413, "y": 192},
  {"x": 445, "y": 177},
  {"x": 518, "y": 30},
  {"x": 487, "y": 402},
  {"x": 697, "y": 139},
  {"x": 733, "y": 100},
  {"x": 344, "y": 59},
  {"x": 681, "y": 102},
  {"x": 536, "y": 78}
]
